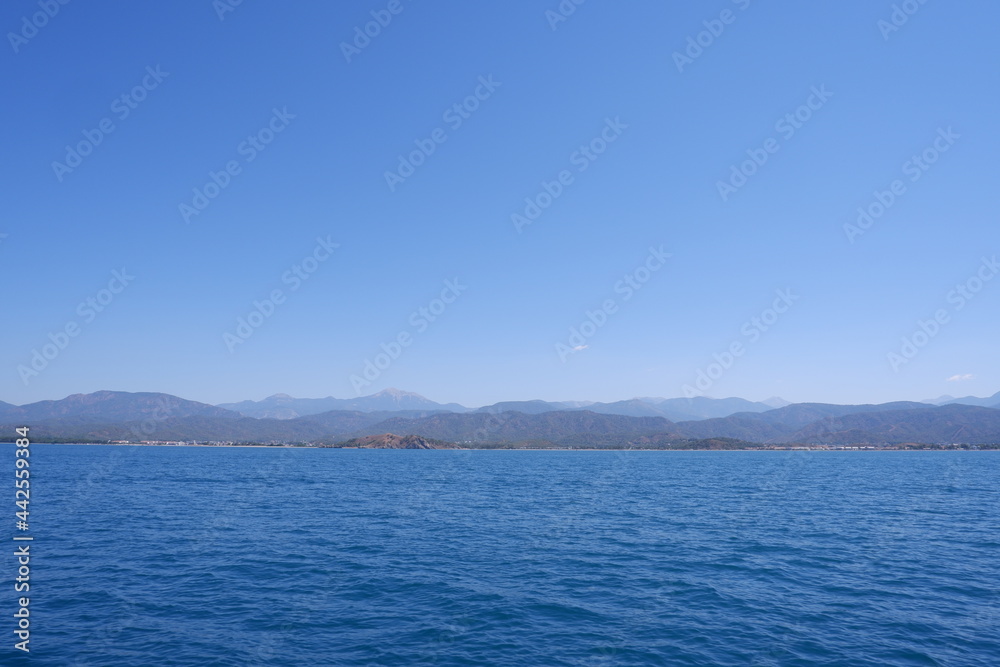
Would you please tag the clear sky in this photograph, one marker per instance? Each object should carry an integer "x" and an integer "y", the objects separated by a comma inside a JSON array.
[{"x": 309, "y": 117}]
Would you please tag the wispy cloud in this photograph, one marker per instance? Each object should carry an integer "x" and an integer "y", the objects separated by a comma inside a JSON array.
[{"x": 959, "y": 378}]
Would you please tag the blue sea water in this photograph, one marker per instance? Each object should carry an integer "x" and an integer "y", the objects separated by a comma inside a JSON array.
[{"x": 251, "y": 556}]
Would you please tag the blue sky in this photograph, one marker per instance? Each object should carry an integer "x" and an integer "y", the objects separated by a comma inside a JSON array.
[{"x": 337, "y": 123}]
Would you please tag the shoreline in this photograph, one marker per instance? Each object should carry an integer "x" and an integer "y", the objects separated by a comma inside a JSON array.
[{"x": 847, "y": 448}]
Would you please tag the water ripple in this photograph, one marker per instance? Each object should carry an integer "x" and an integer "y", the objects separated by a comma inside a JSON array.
[{"x": 196, "y": 556}]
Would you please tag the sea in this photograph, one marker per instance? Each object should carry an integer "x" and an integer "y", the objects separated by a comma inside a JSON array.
[{"x": 146, "y": 555}]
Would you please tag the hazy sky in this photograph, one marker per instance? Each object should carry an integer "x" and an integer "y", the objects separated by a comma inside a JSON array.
[{"x": 216, "y": 156}]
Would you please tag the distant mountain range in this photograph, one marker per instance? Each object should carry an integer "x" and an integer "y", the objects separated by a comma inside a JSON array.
[
  {"x": 283, "y": 406},
  {"x": 642, "y": 422},
  {"x": 989, "y": 402},
  {"x": 111, "y": 406}
]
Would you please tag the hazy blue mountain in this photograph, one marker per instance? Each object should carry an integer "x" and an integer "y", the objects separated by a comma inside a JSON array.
[
  {"x": 115, "y": 406},
  {"x": 109, "y": 415},
  {"x": 7, "y": 410},
  {"x": 283, "y": 406},
  {"x": 631, "y": 408},
  {"x": 988, "y": 402},
  {"x": 517, "y": 426},
  {"x": 776, "y": 402},
  {"x": 892, "y": 423},
  {"x": 679, "y": 409},
  {"x": 527, "y": 407},
  {"x": 946, "y": 424},
  {"x": 743, "y": 426},
  {"x": 701, "y": 407},
  {"x": 774, "y": 425},
  {"x": 337, "y": 424},
  {"x": 350, "y": 422},
  {"x": 675, "y": 409},
  {"x": 395, "y": 399},
  {"x": 799, "y": 414}
]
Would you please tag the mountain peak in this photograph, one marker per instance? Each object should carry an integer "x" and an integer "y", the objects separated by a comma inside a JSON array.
[
  {"x": 776, "y": 402},
  {"x": 392, "y": 392}
]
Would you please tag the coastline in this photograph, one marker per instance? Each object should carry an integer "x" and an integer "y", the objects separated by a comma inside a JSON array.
[{"x": 858, "y": 448}]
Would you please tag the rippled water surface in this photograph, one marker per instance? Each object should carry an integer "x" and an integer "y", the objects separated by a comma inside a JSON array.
[{"x": 243, "y": 556}]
